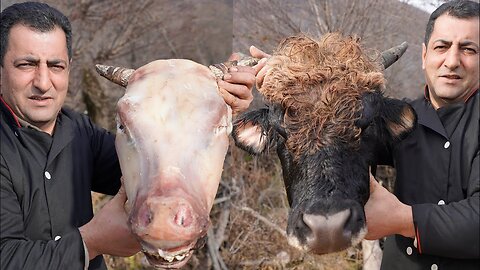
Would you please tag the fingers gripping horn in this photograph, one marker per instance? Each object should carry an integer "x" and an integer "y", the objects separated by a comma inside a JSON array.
[
  {"x": 391, "y": 55},
  {"x": 118, "y": 75},
  {"x": 221, "y": 69}
]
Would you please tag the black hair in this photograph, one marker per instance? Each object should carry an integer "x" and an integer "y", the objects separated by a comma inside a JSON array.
[
  {"x": 38, "y": 16},
  {"x": 462, "y": 9}
]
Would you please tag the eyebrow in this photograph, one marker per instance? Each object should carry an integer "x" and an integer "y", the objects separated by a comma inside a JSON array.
[
  {"x": 462, "y": 44},
  {"x": 468, "y": 43},
  {"x": 35, "y": 60}
]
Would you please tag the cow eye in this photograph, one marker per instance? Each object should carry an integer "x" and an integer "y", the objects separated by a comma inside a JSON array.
[{"x": 121, "y": 128}]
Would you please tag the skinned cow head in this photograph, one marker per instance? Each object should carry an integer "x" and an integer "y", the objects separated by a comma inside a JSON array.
[
  {"x": 325, "y": 116},
  {"x": 172, "y": 138}
]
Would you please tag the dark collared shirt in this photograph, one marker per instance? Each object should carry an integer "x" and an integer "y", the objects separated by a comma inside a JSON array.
[
  {"x": 438, "y": 175},
  {"x": 46, "y": 184}
]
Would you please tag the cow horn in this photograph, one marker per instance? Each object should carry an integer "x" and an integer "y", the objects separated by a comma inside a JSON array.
[
  {"x": 391, "y": 55},
  {"x": 118, "y": 75},
  {"x": 244, "y": 60}
]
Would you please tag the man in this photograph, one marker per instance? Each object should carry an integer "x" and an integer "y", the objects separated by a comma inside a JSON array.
[
  {"x": 435, "y": 214},
  {"x": 52, "y": 157}
]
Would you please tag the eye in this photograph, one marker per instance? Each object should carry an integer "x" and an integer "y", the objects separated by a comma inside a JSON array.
[
  {"x": 56, "y": 67},
  {"x": 120, "y": 125},
  {"x": 470, "y": 51},
  {"x": 440, "y": 48},
  {"x": 122, "y": 129},
  {"x": 25, "y": 65}
]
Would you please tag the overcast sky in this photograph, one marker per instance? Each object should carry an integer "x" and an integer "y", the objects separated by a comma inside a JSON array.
[{"x": 427, "y": 5}]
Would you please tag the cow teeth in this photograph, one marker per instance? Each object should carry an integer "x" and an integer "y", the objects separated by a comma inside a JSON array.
[{"x": 169, "y": 257}]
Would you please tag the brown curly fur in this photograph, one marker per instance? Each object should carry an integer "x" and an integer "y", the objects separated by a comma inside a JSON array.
[{"x": 319, "y": 83}]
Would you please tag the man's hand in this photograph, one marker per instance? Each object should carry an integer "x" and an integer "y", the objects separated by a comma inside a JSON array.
[
  {"x": 108, "y": 233},
  {"x": 262, "y": 65},
  {"x": 236, "y": 86},
  {"x": 386, "y": 215}
]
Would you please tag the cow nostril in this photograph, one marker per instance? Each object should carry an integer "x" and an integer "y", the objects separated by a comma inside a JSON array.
[
  {"x": 145, "y": 217},
  {"x": 183, "y": 216},
  {"x": 302, "y": 227},
  {"x": 355, "y": 221}
]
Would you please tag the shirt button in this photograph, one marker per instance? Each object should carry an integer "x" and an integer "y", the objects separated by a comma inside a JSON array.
[
  {"x": 446, "y": 145},
  {"x": 57, "y": 238},
  {"x": 441, "y": 202},
  {"x": 16, "y": 134},
  {"x": 434, "y": 267},
  {"x": 47, "y": 175},
  {"x": 409, "y": 250}
]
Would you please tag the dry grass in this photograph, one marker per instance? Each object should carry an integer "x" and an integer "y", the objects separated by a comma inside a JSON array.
[{"x": 248, "y": 224}]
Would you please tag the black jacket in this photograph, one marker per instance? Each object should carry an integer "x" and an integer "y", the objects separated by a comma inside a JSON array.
[
  {"x": 46, "y": 185},
  {"x": 438, "y": 175}
]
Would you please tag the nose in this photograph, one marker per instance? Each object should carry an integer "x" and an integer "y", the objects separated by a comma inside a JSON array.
[
  {"x": 452, "y": 59},
  {"x": 332, "y": 232},
  {"x": 168, "y": 219},
  {"x": 42, "y": 80}
]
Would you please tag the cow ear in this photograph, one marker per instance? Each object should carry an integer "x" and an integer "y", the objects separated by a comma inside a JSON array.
[
  {"x": 250, "y": 131},
  {"x": 399, "y": 117}
]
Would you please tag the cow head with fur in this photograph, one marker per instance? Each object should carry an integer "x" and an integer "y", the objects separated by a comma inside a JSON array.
[{"x": 325, "y": 115}]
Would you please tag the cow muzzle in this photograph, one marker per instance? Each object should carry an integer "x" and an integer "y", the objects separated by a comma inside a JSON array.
[
  {"x": 169, "y": 229},
  {"x": 327, "y": 233}
]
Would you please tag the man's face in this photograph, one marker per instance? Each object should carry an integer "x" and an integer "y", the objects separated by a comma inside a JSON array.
[
  {"x": 451, "y": 60},
  {"x": 34, "y": 79}
]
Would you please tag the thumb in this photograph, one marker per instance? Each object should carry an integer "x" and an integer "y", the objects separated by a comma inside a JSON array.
[
  {"x": 373, "y": 183},
  {"x": 121, "y": 194},
  {"x": 260, "y": 65},
  {"x": 256, "y": 52},
  {"x": 264, "y": 68}
]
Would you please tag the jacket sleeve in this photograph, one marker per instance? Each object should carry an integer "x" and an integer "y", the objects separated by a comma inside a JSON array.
[
  {"x": 451, "y": 230},
  {"x": 19, "y": 252}
]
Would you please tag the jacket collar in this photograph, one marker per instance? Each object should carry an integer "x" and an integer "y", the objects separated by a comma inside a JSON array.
[
  {"x": 18, "y": 122},
  {"x": 427, "y": 115},
  {"x": 8, "y": 112},
  {"x": 62, "y": 135},
  {"x": 15, "y": 120},
  {"x": 426, "y": 94}
]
